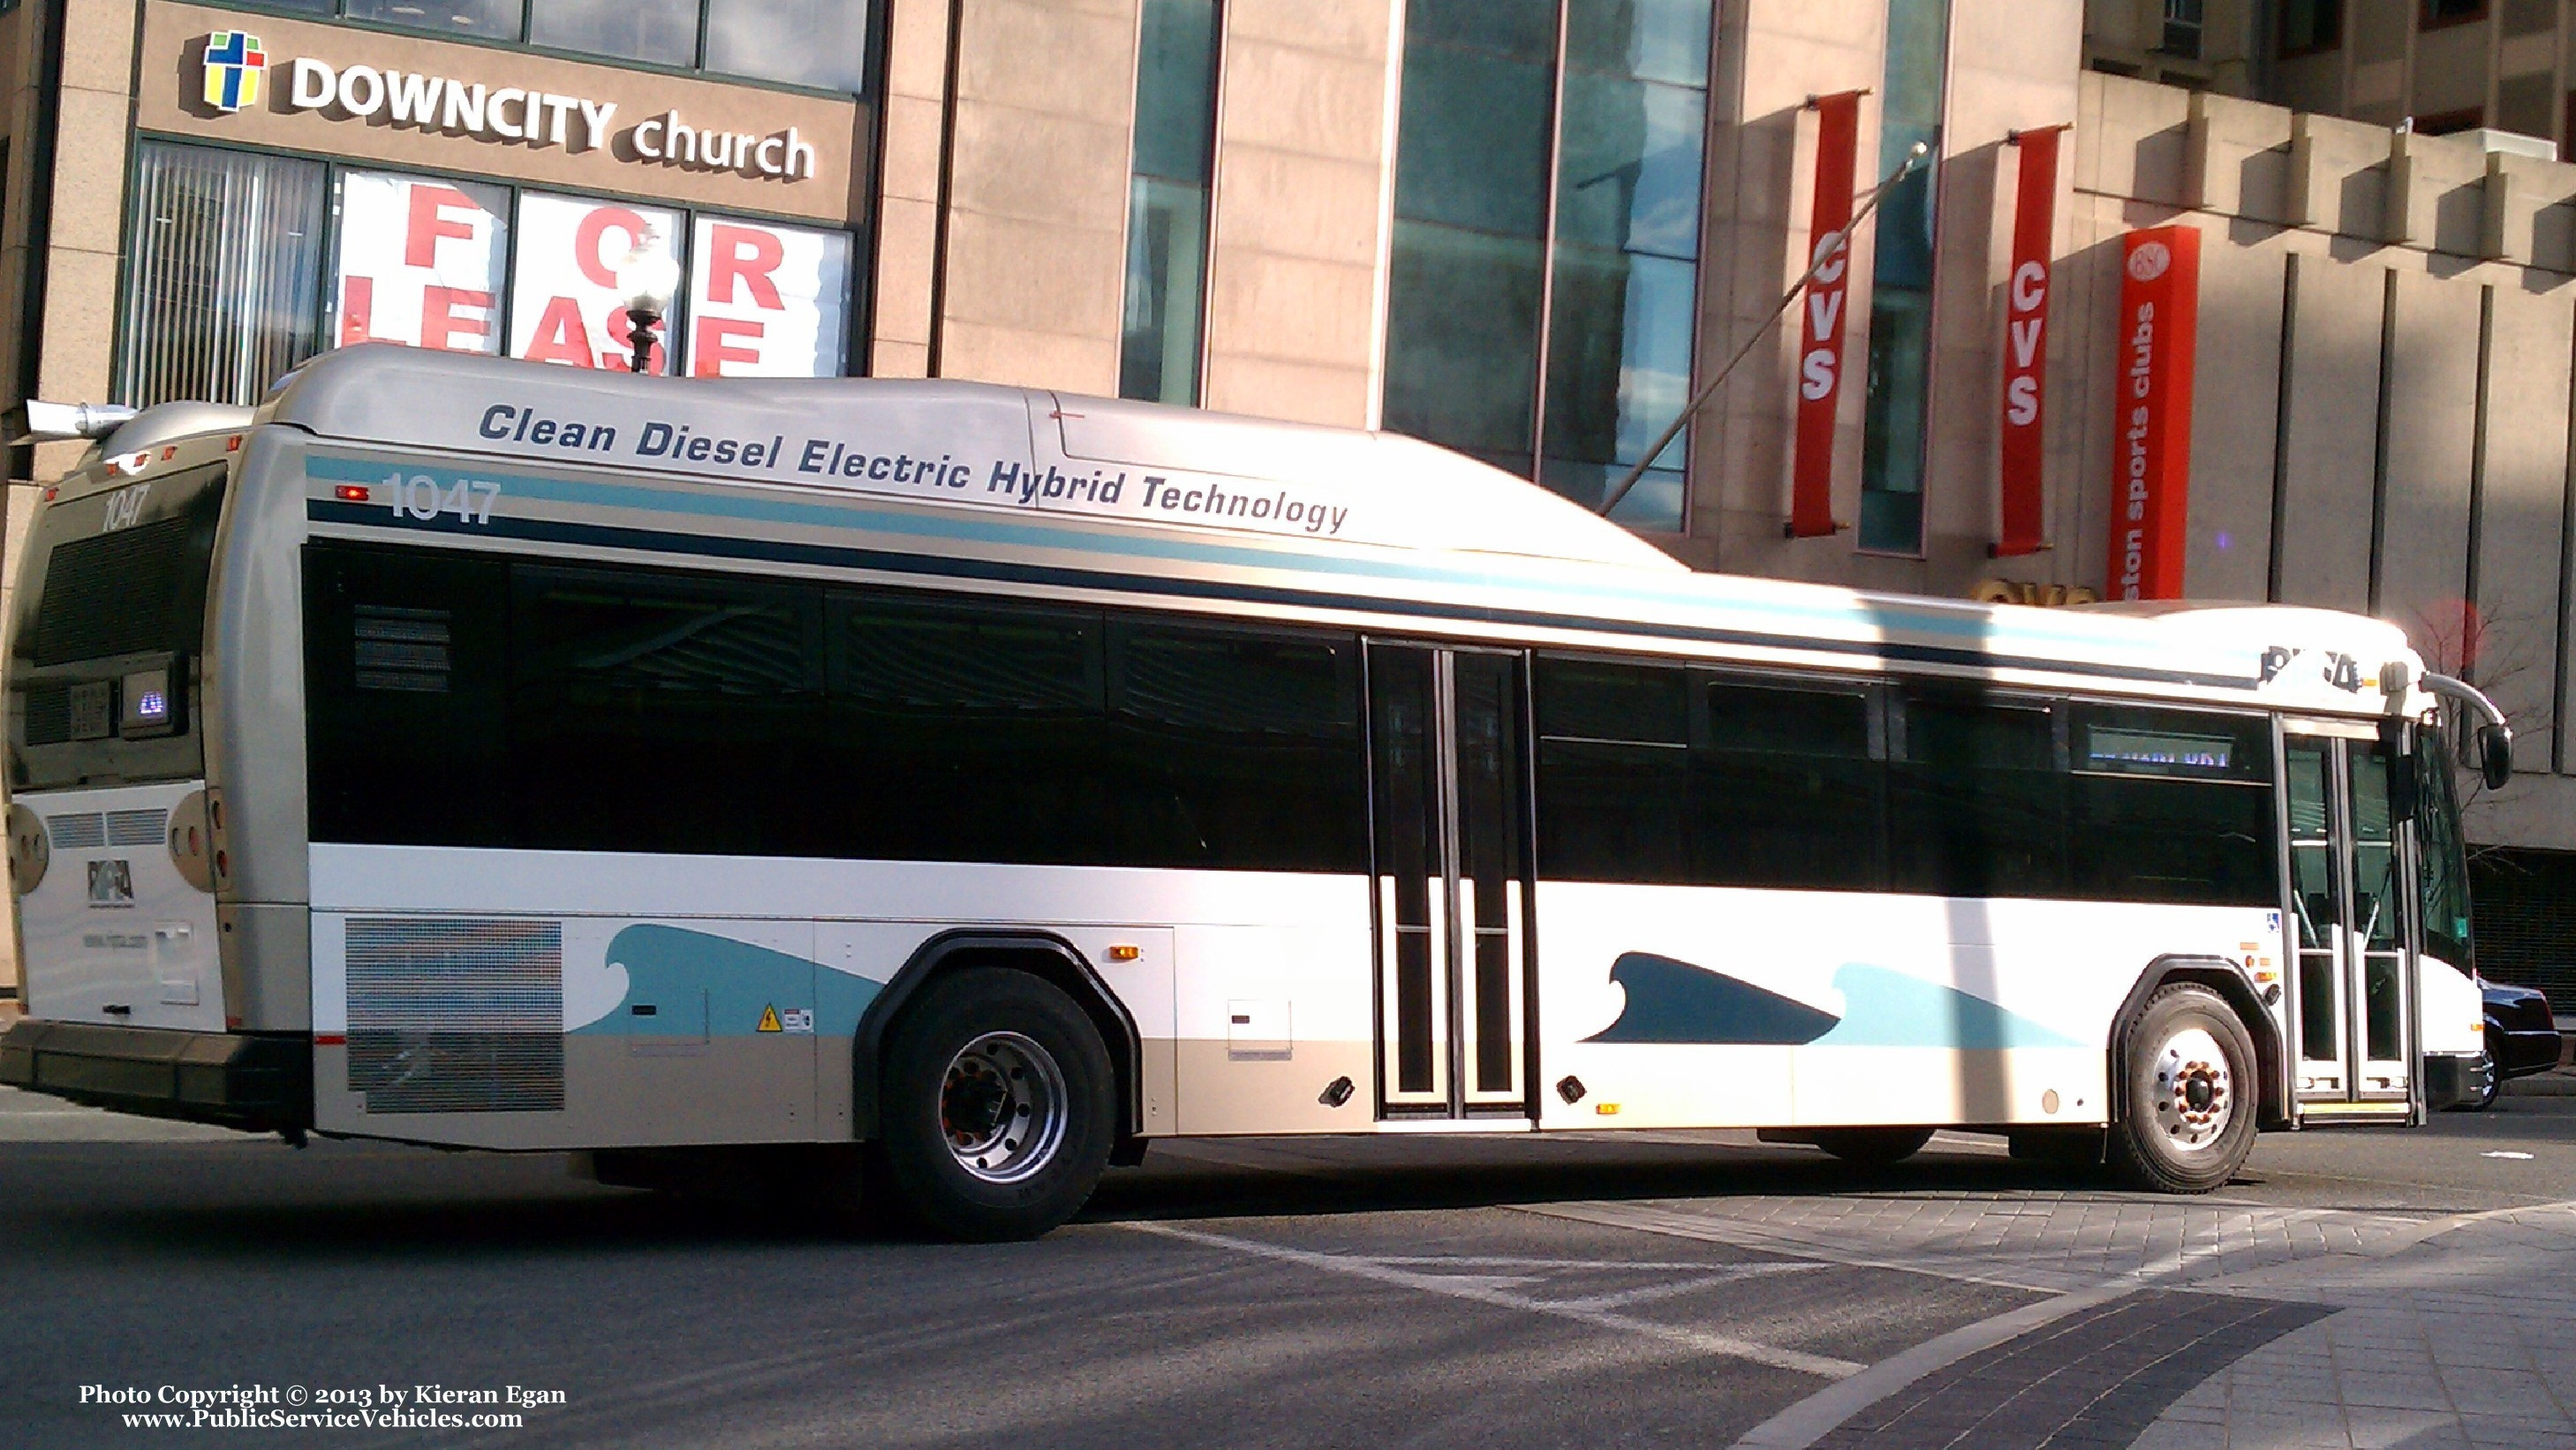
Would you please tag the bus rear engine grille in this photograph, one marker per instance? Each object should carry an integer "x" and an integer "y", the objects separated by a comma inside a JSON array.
[{"x": 456, "y": 1015}]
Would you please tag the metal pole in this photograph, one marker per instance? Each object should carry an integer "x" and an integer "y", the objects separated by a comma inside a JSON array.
[{"x": 1826, "y": 247}]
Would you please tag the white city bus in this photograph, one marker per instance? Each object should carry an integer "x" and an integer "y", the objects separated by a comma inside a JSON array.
[{"x": 476, "y": 753}]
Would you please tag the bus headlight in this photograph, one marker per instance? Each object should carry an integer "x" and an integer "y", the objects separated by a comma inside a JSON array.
[{"x": 30, "y": 850}]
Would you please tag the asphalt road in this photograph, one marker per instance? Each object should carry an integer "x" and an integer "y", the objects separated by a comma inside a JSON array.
[{"x": 1289, "y": 1293}]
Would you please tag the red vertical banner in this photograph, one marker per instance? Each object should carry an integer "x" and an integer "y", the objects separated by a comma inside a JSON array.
[
  {"x": 2151, "y": 442},
  {"x": 1820, "y": 324},
  {"x": 2026, "y": 347}
]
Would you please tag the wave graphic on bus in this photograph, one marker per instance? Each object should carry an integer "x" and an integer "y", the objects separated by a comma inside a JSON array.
[{"x": 1671, "y": 1001}]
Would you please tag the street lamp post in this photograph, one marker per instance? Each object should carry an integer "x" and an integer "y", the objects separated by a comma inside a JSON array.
[{"x": 646, "y": 278}]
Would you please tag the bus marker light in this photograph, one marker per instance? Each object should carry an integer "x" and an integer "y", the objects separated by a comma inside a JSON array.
[
  {"x": 351, "y": 493},
  {"x": 1607, "y": 1110},
  {"x": 51, "y": 493},
  {"x": 170, "y": 452},
  {"x": 1123, "y": 954},
  {"x": 233, "y": 444}
]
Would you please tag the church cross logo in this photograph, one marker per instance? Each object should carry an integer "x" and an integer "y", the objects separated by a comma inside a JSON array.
[{"x": 234, "y": 64}]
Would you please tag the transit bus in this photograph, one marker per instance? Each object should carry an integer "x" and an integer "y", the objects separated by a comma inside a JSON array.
[{"x": 982, "y": 782}]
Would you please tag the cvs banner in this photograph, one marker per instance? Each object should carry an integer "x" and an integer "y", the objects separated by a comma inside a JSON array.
[
  {"x": 1820, "y": 324},
  {"x": 2151, "y": 436},
  {"x": 2025, "y": 392}
]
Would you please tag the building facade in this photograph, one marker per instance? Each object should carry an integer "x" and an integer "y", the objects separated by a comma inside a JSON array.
[{"x": 1531, "y": 230}]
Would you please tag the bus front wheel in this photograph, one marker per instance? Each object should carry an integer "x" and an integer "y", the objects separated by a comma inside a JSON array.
[
  {"x": 998, "y": 1103},
  {"x": 2191, "y": 1086}
]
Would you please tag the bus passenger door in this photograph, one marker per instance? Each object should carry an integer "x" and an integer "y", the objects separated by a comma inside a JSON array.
[
  {"x": 1450, "y": 766},
  {"x": 2350, "y": 912}
]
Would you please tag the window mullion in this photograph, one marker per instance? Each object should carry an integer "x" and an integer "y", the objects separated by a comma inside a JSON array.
[{"x": 1547, "y": 251}]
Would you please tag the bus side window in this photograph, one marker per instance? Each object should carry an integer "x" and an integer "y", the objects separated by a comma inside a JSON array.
[
  {"x": 1975, "y": 799},
  {"x": 406, "y": 696},
  {"x": 965, "y": 732},
  {"x": 1613, "y": 771},
  {"x": 665, "y": 712},
  {"x": 2171, "y": 806},
  {"x": 1784, "y": 791},
  {"x": 1237, "y": 749}
]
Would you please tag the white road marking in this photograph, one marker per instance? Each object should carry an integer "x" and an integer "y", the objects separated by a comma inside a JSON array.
[
  {"x": 2517, "y": 1157},
  {"x": 1486, "y": 1289}
]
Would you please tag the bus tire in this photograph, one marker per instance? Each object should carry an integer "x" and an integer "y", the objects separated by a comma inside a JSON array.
[
  {"x": 1872, "y": 1147},
  {"x": 2192, "y": 1093},
  {"x": 999, "y": 1102}
]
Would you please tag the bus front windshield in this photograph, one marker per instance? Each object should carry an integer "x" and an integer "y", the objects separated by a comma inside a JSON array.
[{"x": 2441, "y": 875}]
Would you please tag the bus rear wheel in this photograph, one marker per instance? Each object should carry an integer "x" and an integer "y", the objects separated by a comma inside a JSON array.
[
  {"x": 2190, "y": 1079},
  {"x": 998, "y": 1099},
  {"x": 1872, "y": 1147}
]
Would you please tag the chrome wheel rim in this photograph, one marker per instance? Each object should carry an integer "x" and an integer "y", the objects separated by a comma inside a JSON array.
[
  {"x": 2195, "y": 1095},
  {"x": 1002, "y": 1107}
]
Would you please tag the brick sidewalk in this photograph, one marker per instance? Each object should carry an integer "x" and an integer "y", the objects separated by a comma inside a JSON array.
[
  {"x": 2194, "y": 1324},
  {"x": 2459, "y": 1343}
]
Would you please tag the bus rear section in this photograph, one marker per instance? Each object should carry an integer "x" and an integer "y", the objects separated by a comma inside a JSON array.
[{"x": 111, "y": 843}]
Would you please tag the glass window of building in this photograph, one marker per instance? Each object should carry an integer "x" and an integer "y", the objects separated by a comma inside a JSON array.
[
  {"x": 421, "y": 262},
  {"x": 2310, "y": 25},
  {"x": 223, "y": 278},
  {"x": 1167, "y": 201},
  {"x": 664, "y": 32},
  {"x": 497, "y": 18},
  {"x": 817, "y": 43},
  {"x": 1900, "y": 307},
  {"x": 1551, "y": 340},
  {"x": 1622, "y": 303},
  {"x": 229, "y": 281}
]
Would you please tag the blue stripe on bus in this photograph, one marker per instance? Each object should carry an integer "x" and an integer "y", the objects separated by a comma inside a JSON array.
[
  {"x": 723, "y": 546},
  {"x": 2065, "y": 630}
]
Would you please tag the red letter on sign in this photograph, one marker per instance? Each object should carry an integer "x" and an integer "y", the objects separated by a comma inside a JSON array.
[
  {"x": 440, "y": 321},
  {"x": 357, "y": 309},
  {"x": 1820, "y": 329},
  {"x": 740, "y": 252},
  {"x": 429, "y": 222},
  {"x": 709, "y": 354},
  {"x": 561, "y": 337},
  {"x": 2026, "y": 347},
  {"x": 586, "y": 239}
]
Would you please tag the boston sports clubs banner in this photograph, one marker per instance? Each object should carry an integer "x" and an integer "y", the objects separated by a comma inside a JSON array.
[{"x": 2151, "y": 434}]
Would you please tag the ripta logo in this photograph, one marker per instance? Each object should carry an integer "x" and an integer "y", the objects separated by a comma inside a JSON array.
[
  {"x": 111, "y": 883},
  {"x": 2341, "y": 671}
]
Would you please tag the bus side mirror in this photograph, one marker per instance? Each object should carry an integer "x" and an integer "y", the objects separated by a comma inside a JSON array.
[{"x": 2495, "y": 756}]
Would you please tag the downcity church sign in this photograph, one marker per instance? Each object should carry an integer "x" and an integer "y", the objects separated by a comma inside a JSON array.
[
  {"x": 418, "y": 100},
  {"x": 539, "y": 118}
]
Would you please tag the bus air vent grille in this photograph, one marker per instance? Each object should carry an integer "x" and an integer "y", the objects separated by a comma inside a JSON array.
[
  {"x": 136, "y": 828},
  {"x": 456, "y": 1015},
  {"x": 79, "y": 831}
]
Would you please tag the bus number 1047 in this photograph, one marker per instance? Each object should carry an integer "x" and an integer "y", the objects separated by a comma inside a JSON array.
[{"x": 420, "y": 497}]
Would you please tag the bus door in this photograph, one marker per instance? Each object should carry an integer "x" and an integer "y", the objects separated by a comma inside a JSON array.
[
  {"x": 2350, "y": 924},
  {"x": 1449, "y": 768}
]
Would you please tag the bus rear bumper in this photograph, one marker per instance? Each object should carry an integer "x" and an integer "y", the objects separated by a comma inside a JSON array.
[{"x": 257, "y": 1083}]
